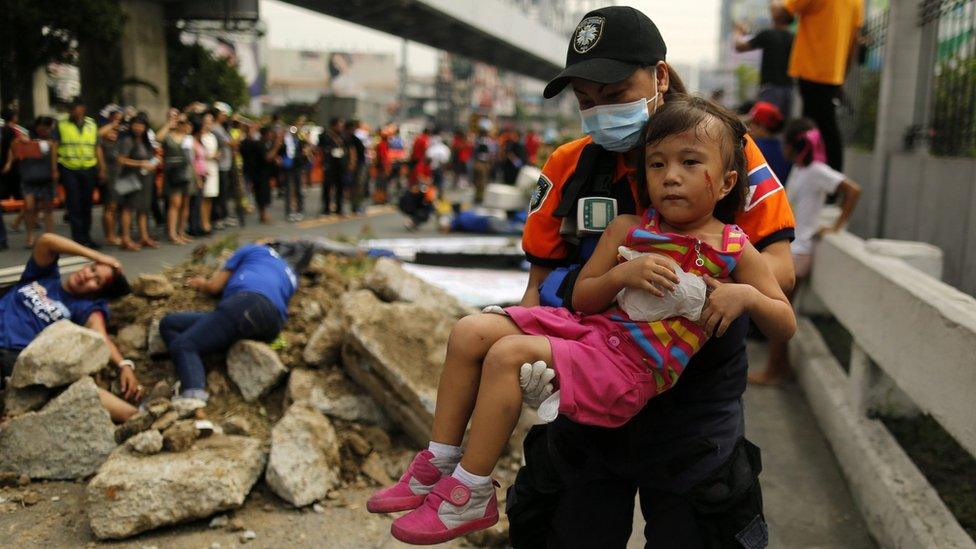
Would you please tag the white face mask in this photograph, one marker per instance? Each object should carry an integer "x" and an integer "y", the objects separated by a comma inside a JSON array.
[{"x": 617, "y": 127}]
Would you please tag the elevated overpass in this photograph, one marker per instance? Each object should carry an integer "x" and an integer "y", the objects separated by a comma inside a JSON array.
[{"x": 491, "y": 31}]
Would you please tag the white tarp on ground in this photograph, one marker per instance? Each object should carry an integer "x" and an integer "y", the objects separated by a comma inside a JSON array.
[
  {"x": 477, "y": 287},
  {"x": 406, "y": 249}
]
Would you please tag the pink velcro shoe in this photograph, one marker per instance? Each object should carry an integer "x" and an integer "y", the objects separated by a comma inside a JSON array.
[
  {"x": 450, "y": 510},
  {"x": 409, "y": 492}
]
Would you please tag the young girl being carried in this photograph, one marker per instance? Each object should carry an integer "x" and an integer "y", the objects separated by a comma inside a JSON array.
[{"x": 608, "y": 365}]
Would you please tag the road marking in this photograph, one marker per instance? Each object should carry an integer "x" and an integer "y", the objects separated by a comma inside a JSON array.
[{"x": 371, "y": 211}]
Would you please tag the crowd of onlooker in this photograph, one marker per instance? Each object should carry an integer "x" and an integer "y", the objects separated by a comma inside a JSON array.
[{"x": 207, "y": 168}]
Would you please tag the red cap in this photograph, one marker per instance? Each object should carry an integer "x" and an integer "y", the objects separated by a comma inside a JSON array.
[{"x": 766, "y": 115}]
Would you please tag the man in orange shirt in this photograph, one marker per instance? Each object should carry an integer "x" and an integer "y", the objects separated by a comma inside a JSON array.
[
  {"x": 822, "y": 51},
  {"x": 578, "y": 485}
]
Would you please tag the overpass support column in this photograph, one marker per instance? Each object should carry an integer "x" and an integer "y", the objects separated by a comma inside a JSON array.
[{"x": 143, "y": 50}]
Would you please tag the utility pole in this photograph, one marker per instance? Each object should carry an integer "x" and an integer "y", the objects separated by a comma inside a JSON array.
[{"x": 402, "y": 111}]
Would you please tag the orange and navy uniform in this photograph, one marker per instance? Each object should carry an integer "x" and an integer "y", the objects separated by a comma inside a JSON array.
[{"x": 766, "y": 218}]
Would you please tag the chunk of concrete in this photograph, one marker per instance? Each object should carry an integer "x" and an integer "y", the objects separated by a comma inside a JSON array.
[
  {"x": 304, "y": 461},
  {"x": 254, "y": 367},
  {"x": 333, "y": 395},
  {"x": 147, "y": 442},
  {"x": 155, "y": 344},
  {"x": 20, "y": 401},
  {"x": 67, "y": 439},
  {"x": 153, "y": 285},
  {"x": 325, "y": 343},
  {"x": 61, "y": 354},
  {"x": 132, "y": 337},
  {"x": 133, "y": 493},
  {"x": 391, "y": 282},
  {"x": 180, "y": 436}
]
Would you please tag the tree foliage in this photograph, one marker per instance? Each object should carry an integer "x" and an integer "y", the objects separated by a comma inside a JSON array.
[
  {"x": 37, "y": 32},
  {"x": 195, "y": 74}
]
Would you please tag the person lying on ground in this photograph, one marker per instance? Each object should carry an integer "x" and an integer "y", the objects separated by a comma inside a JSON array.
[
  {"x": 255, "y": 285},
  {"x": 41, "y": 298}
]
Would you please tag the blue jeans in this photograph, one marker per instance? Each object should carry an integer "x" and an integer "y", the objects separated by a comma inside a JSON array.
[{"x": 246, "y": 315}]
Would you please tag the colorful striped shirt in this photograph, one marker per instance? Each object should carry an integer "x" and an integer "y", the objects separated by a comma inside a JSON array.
[{"x": 670, "y": 343}]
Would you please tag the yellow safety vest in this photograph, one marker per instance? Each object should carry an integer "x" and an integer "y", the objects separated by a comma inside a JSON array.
[{"x": 76, "y": 149}]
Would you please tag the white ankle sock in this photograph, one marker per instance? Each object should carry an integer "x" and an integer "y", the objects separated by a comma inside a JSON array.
[
  {"x": 444, "y": 451},
  {"x": 470, "y": 480},
  {"x": 446, "y": 456}
]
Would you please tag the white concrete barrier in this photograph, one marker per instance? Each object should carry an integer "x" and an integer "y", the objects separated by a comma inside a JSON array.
[{"x": 917, "y": 331}]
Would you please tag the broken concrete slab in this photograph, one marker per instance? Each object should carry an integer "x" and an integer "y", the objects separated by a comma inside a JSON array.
[
  {"x": 61, "y": 354},
  {"x": 133, "y": 493},
  {"x": 254, "y": 367},
  {"x": 325, "y": 343},
  {"x": 304, "y": 461},
  {"x": 392, "y": 283},
  {"x": 396, "y": 352},
  {"x": 67, "y": 439},
  {"x": 333, "y": 395}
]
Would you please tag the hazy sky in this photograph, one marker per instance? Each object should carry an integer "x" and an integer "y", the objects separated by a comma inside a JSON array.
[{"x": 689, "y": 27}]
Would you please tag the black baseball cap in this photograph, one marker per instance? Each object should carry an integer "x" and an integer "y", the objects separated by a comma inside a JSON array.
[{"x": 608, "y": 45}]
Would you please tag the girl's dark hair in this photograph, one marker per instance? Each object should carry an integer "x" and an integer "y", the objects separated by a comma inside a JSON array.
[
  {"x": 117, "y": 287},
  {"x": 41, "y": 121},
  {"x": 795, "y": 135},
  {"x": 681, "y": 113},
  {"x": 139, "y": 119}
]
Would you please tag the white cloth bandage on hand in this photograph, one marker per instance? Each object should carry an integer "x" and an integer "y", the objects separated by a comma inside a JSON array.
[
  {"x": 494, "y": 309},
  {"x": 536, "y": 382},
  {"x": 687, "y": 299}
]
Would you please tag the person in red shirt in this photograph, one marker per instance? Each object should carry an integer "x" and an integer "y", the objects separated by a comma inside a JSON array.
[
  {"x": 460, "y": 156},
  {"x": 384, "y": 168},
  {"x": 532, "y": 142},
  {"x": 418, "y": 157}
]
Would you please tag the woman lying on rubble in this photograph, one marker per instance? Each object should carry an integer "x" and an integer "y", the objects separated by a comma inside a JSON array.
[
  {"x": 610, "y": 357},
  {"x": 255, "y": 285},
  {"x": 41, "y": 298}
]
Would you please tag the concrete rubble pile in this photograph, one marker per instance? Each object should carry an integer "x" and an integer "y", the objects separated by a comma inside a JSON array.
[{"x": 341, "y": 400}]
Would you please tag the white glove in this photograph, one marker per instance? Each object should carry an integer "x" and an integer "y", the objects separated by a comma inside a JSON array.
[
  {"x": 536, "y": 382},
  {"x": 494, "y": 309}
]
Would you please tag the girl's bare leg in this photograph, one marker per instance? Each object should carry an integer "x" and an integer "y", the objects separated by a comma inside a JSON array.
[
  {"x": 48, "y": 206},
  {"x": 118, "y": 409},
  {"x": 30, "y": 216},
  {"x": 205, "y": 214},
  {"x": 108, "y": 224},
  {"x": 467, "y": 348},
  {"x": 499, "y": 400}
]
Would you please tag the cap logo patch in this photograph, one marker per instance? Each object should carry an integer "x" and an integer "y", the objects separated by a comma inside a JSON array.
[{"x": 588, "y": 33}]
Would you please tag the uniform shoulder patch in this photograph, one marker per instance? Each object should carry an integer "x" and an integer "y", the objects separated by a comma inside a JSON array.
[
  {"x": 762, "y": 184},
  {"x": 540, "y": 193}
]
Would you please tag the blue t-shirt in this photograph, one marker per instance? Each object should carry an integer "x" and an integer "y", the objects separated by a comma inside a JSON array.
[
  {"x": 36, "y": 302},
  {"x": 259, "y": 269},
  {"x": 772, "y": 149}
]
